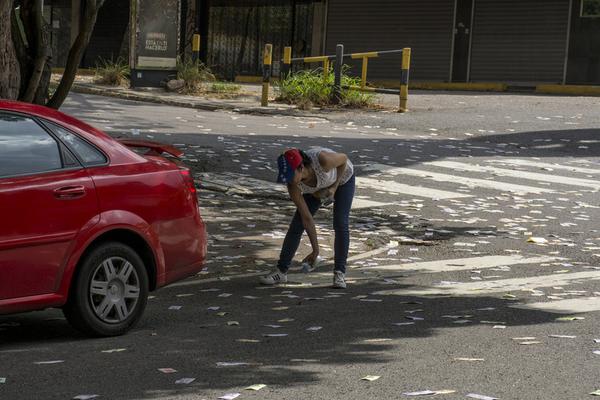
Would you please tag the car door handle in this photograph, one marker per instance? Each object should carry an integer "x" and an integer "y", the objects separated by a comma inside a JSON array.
[{"x": 69, "y": 192}]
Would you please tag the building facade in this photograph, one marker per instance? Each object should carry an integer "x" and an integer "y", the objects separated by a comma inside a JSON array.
[{"x": 520, "y": 42}]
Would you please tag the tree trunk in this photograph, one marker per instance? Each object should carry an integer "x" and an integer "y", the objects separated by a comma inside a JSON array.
[
  {"x": 41, "y": 54},
  {"x": 76, "y": 52},
  {"x": 10, "y": 76}
]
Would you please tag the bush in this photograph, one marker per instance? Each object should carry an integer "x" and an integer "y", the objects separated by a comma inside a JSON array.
[
  {"x": 111, "y": 72},
  {"x": 309, "y": 88},
  {"x": 194, "y": 74}
]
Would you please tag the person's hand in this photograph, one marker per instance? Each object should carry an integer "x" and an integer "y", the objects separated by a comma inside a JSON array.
[
  {"x": 311, "y": 258},
  {"x": 326, "y": 193}
]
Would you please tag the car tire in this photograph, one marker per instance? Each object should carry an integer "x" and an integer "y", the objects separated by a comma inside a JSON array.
[{"x": 109, "y": 291}]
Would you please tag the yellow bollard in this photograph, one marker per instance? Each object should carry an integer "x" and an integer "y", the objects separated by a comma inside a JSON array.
[
  {"x": 325, "y": 69},
  {"x": 363, "y": 80},
  {"x": 196, "y": 47},
  {"x": 404, "y": 79},
  {"x": 267, "y": 61},
  {"x": 287, "y": 61}
]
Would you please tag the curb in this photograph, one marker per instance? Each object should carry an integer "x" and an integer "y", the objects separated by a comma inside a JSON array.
[
  {"x": 576, "y": 90},
  {"x": 198, "y": 105}
]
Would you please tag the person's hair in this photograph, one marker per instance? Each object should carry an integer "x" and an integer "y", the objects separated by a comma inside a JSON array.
[{"x": 306, "y": 162}]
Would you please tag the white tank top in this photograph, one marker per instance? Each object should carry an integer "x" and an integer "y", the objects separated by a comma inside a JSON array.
[{"x": 324, "y": 179}]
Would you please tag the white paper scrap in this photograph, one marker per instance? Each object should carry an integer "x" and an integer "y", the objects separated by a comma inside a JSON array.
[
  {"x": 370, "y": 378},
  {"x": 230, "y": 396},
  {"x": 231, "y": 364},
  {"x": 481, "y": 397},
  {"x": 256, "y": 387},
  {"x": 184, "y": 381},
  {"x": 421, "y": 393}
]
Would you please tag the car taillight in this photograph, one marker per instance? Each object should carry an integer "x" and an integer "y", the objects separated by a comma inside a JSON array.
[{"x": 189, "y": 181}]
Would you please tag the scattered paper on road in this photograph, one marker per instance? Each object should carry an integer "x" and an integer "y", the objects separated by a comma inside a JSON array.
[
  {"x": 49, "y": 362},
  {"x": 256, "y": 387},
  {"x": 370, "y": 378},
  {"x": 230, "y": 396},
  {"x": 167, "y": 370},
  {"x": 184, "y": 381},
  {"x": 481, "y": 397}
]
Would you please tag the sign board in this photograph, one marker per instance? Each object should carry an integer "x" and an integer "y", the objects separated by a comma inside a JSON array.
[{"x": 155, "y": 40}]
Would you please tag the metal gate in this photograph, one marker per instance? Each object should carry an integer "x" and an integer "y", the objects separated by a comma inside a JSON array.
[{"x": 238, "y": 30}]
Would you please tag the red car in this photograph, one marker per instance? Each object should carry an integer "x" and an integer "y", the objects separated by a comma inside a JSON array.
[{"x": 88, "y": 224}]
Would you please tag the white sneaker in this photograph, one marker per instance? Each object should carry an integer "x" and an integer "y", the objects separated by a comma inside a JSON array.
[
  {"x": 339, "y": 280},
  {"x": 274, "y": 278}
]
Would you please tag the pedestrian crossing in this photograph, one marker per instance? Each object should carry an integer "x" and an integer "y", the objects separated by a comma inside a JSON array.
[
  {"x": 453, "y": 179},
  {"x": 498, "y": 286},
  {"x": 380, "y": 185},
  {"x": 466, "y": 264}
]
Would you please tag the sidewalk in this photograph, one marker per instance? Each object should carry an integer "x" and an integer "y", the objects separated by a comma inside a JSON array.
[{"x": 247, "y": 102}]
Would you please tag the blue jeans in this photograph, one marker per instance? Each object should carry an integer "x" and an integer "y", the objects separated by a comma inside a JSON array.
[{"x": 341, "y": 213}]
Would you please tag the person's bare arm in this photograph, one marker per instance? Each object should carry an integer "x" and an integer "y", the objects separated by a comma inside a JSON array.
[
  {"x": 307, "y": 221},
  {"x": 329, "y": 161}
]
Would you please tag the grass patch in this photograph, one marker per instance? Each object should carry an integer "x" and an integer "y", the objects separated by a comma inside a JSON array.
[
  {"x": 225, "y": 88},
  {"x": 310, "y": 88},
  {"x": 109, "y": 72},
  {"x": 196, "y": 76}
]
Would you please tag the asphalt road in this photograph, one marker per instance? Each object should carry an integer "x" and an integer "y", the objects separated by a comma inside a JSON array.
[{"x": 474, "y": 236}]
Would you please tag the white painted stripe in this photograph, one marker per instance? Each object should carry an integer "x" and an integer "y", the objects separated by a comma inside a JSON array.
[
  {"x": 538, "y": 164},
  {"x": 463, "y": 264},
  {"x": 563, "y": 180},
  {"x": 362, "y": 203},
  {"x": 471, "y": 182},
  {"x": 567, "y": 306},
  {"x": 502, "y": 285},
  {"x": 400, "y": 188}
]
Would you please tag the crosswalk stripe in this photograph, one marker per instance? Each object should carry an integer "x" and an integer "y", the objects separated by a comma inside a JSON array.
[
  {"x": 359, "y": 203},
  {"x": 502, "y": 285},
  {"x": 464, "y": 264},
  {"x": 538, "y": 164},
  {"x": 471, "y": 182},
  {"x": 563, "y": 180},
  {"x": 400, "y": 188},
  {"x": 567, "y": 306}
]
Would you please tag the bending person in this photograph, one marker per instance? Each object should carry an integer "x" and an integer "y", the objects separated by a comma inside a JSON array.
[{"x": 313, "y": 178}]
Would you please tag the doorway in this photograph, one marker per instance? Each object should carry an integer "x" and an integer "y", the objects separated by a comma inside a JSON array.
[{"x": 462, "y": 40}]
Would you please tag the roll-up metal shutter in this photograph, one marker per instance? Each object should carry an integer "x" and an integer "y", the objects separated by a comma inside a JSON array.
[
  {"x": 423, "y": 25},
  {"x": 519, "y": 40}
]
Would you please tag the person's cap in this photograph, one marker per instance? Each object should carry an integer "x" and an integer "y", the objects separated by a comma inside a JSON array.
[{"x": 288, "y": 163}]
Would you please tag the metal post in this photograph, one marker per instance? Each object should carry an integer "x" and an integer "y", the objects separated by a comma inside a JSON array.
[
  {"x": 287, "y": 62},
  {"x": 196, "y": 47},
  {"x": 365, "y": 65},
  {"x": 325, "y": 69},
  {"x": 404, "y": 79},
  {"x": 267, "y": 60},
  {"x": 337, "y": 82}
]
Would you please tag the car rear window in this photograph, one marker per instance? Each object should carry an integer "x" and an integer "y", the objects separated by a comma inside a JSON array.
[
  {"x": 25, "y": 147},
  {"x": 88, "y": 154}
]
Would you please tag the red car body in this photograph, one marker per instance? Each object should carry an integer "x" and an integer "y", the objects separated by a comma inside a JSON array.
[{"x": 50, "y": 219}]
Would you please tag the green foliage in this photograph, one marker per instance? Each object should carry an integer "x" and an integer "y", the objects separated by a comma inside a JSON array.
[
  {"x": 309, "y": 88},
  {"x": 194, "y": 74},
  {"x": 225, "y": 87},
  {"x": 114, "y": 73}
]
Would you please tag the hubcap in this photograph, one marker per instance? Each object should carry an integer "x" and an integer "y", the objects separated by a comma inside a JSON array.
[{"x": 114, "y": 290}]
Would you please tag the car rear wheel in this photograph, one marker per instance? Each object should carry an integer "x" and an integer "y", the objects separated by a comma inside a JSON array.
[{"x": 109, "y": 291}]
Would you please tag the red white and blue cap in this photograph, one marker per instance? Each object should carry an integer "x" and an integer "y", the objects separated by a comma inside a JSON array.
[{"x": 288, "y": 163}]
